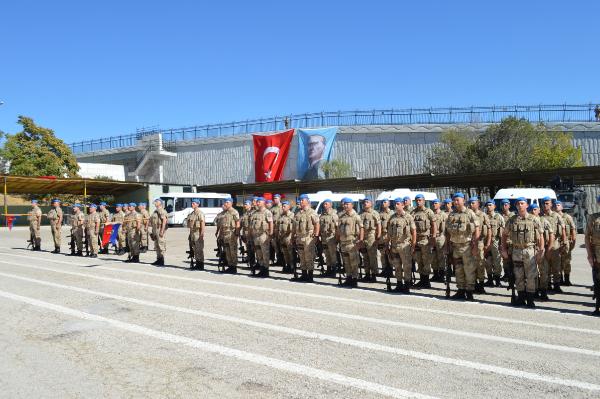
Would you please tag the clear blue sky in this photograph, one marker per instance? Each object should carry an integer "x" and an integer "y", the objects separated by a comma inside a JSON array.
[{"x": 92, "y": 69}]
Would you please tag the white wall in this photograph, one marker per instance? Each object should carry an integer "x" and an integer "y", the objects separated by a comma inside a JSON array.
[{"x": 91, "y": 170}]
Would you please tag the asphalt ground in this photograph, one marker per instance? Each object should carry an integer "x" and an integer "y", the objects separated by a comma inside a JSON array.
[{"x": 77, "y": 327}]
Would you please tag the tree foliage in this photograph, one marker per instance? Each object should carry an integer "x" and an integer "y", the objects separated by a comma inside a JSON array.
[
  {"x": 511, "y": 144},
  {"x": 36, "y": 151},
  {"x": 335, "y": 169}
]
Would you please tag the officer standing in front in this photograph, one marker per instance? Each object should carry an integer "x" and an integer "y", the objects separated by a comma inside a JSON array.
[
  {"x": 306, "y": 231},
  {"x": 55, "y": 216},
  {"x": 158, "y": 221},
  {"x": 426, "y": 231},
  {"x": 328, "y": 222},
  {"x": 350, "y": 234},
  {"x": 462, "y": 235},
  {"x": 35, "y": 221},
  {"x": 525, "y": 236},
  {"x": 372, "y": 232},
  {"x": 197, "y": 225},
  {"x": 228, "y": 231},
  {"x": 403, "y": 240}
]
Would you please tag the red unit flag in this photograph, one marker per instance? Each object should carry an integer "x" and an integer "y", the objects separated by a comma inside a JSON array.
[{"x": 270, "y": 155}]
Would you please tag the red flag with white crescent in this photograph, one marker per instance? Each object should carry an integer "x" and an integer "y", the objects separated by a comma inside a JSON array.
[{"x": 270, "y": 155}]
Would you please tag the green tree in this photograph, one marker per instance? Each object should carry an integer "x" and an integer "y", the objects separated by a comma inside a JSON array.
[
  {"x": 36, "y": 151},
  {"x": 512, "y": 144},
  {"x": 335, "y": 169}
]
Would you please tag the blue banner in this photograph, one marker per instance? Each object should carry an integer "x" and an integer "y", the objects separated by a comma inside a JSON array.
[{"x": 314, "y": 148}]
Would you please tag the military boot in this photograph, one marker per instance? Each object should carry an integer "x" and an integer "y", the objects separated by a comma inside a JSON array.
[
  {"x": 497, "y": 281},
  {"x": 567, "y": 280},
  {"x": 301, "y": 278},
  {"x": 489, "y": 282},
  {"x": 79, "y": 253},
  {"x": 530, "y": 302},
  {"x": 460, "y": 294},
  {"x": 160, "y": 261},
  {"x": 309, "y": 277},
  {"x": 423, "y": 281},
  {"x": 479, "y": 288},
  {"x": 135, "y": 259},
  {"x": 231, "y": 270},
  {"x": 56, "y": 250},
  {"x": 192, "y": 264},
  {"x": 543, "y": 295},
  {"x": 520, "y": 301},
  {"x": 438, "y": 276},
  {"x": 399, "y": 287},
  {"x": 405, "y": 288},
  {"x": 557, "y": 289},
  {"x": 469, "y": 295},
  {"x": 366, "y": 278},
  {"x": 200, "y": 265}
]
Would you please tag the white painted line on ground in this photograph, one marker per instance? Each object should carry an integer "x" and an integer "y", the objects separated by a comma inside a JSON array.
[
  {"x": 325, "y": 337},
  {"x": 341, "y": 299},
  {"x": 420, "y": 327},
  {"x": 255, "y": 358}
]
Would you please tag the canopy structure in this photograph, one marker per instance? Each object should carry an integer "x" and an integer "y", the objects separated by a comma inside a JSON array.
[{"x": 587, "y": 175}]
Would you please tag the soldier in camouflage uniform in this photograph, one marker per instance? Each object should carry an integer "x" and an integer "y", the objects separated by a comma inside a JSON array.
[
  {"x": 77, "y": 220},
  {"x": 439, "y": 260},
  {"x": 261, "y": 226},
  {"x": 408, "y": 204},
  {"x": 92, "y": 227},
  {"x": 547, "y": 234},
  {"x": 119, "y": 218},
  {"x": 196, "y": 224},
  {"x": 385, "y": 214},
  {"x": 402, "y": 234},
  {"x": 34, "y": 217},
  {"x": 285, "y": 228},
  {"x": 246, "y": 234},
  {"x": 447, "y": 205},
  {"x": 592, "y": 246},
  {"x": 462, "y": 236},
  {"x": 133, "y": 227},
  {"x": 145, "y": 227},
  {"x": 568, "y": 245},
  {"x": 228, "y": 231},
  {"x": 350, "y": 234},
  {"x": 55, "y": 216},
  {"x": 485, "y": 238},
  {"x": 276, "y": 210},
  {"x": 306, "y": 231},
  {"x": 328, "y": 222},
  {"x": 372, "y": 228},
  {"x": 158, "y": 222},
  {"x": 506, "y": 213},
  {"x": 493, "y": 259},
  {"x": 104, "y": 220},
  {"x": 552, "y": 259},
  {"x": 426, "y": 232},
  {"x": 525, "y": 235}
]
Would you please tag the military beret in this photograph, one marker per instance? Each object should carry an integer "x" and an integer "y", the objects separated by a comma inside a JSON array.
[
  {"x": 506, "y": 201},
  {"x": 458, "y": 195},
  {"x": 346, "y": 200},
  {"x": 142, "y": 204},
  {"x": 34, "y": 201},
  {"x": 436, "y": 200},
  {"x": 255, "y": 198},
  {"x": 489, "y": 202},
  {"x": 474, "y": 199},
  {"x": 398, "y": 199},
  {"x": 419, "y": 196},
  {"x": 158, "y": 199},
  {"x": 521, "y": 199},
  {"x": 367, "y": 199},
  {"x": 76, "y": 205},
  {"x": 303, "y": 196},
  {"x": 533, "y": 206},
  {"x": 247, "y": 202},
  {"x": 103, "y": 203},
  {"x": 447, "y": 200},
  {"x": 196, "y": 201},
  {"x": 132, "y": 204},
  {"x": 557, "y": 202},
  {"x": 546, "y": 198},
  {"x": 327, "y": 200},
  {"x": 269, "y": 201},
  {"x": 228, "y": 199},
  {"x": 55, "y": 200},
  {"x": 260, "y": 199},
  {"x": 285, "y": 202},
  {"x": 407, "y": 198},
  {"x": 277, "y": 196},
  {"x": 93, "y": 206}
]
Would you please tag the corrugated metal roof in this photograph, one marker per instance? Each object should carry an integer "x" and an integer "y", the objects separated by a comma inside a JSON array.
[{"x": 54, "y": 185}]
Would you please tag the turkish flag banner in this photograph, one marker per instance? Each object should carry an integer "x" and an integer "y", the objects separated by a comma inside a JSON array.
[{"x": 270, "y": 155}]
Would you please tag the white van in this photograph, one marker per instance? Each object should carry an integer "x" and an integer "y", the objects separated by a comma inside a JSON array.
[
  {"x": 533, "y": 196},
  {"x": 316, "y": 200},
  {"x": 401, "y": 193},
  {"x": 179, "y": 206}
]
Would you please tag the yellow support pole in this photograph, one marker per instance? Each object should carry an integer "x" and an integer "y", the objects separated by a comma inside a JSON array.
[
  {"x": 84, "y": 196},
  {"x": 5, "y": 203}
]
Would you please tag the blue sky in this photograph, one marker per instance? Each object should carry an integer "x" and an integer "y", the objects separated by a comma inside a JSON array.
[{"x": 93, "y": 69}]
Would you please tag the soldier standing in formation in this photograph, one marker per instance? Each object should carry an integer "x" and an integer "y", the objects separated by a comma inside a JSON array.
[
  {"x": 145, "y": 227},
  {"x": 547, "y": 234},
  {"x": 92, "y": 229},
  {"x": 55, "y": 216},
  {"x": 276, "y": 210},
  {"x": 402, "y": 234},
  {"x": 384, "y": 216},
  {"x": 408, "y": 205},
  {"x": 285, "y": 229},
  {"x": 328, "y": 222},
  {"x": 261, "y": 227},
  {"x": 568, "y": 245},
  {"x": 424, "y": 219},
  {"x": 439, "y": 259},
  {"x": 306, "y": 231},
  {"x": 104, "y": 220},
  {"x": 592, "y": 246},
  {"x": 525, "y": 235},
  {"x": 196, "y": 224},
  {"x": 34, "y": 217},
  {"x": 119, "y": 218},
  {"x": 228, "y": 231},
  {"x": 372, "y": 232},
  {"x": 494, "y": 260},
  {"x": 350, "y": 235},
  {"x": 552, "y": 260},
  {"x": 506, "y": 213},
  {"x": 133, "y": 227},
  {"x": 448, "y": 205},
  {"x": 245, "y": 232},
  {"x": 158, "y": 221},
  {"x": 462, "y": 237},
  {"x": 484, "y": 241},
  {"x": 77, "y": 220}
]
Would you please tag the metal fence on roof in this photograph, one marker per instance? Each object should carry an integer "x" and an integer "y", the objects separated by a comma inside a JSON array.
[{"x": 534, "y": 113}]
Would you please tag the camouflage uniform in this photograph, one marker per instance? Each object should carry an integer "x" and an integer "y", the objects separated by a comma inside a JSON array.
[
  {"x": 227, "y": 223},
  {"x": 304, "y": 228},
  {"x": 33, "y": 217},
  {"x": 285, "y": 227},
  {"x": 259, "y": 226},
  {"x": 371, "y": 221},
  {"x": 77, "y": 230},
  {"x": 104, "y": 218},
  {"x": 565, "y": 258},
  {"x": 439, "y": 259},
  {"x": 349, "y": 228},
  {"x": 53, "y": 216},
  {"x": 92, "y": 232},
  {"x": 145, "y": 227},
  {"x": 551, "y": 267},
  {"x": 328, "y": 222},
  {"x": 119, "y": 218},
  {"x": 195, "y": 221},
  {"x": 424, "y": 251},
  {"x": 160, "y": 243},
  {"x": 480, "y": 258},
  {"x": 276, "y": 211},
  {"x": 133, "y": 233},
  {"x": 400, "y": 229},
  {"x": 524, "y": 233},
  {"x": 384, "y": 216},
  {"x": 494, "y": 262},
  {"x": 460, "y": 227}
]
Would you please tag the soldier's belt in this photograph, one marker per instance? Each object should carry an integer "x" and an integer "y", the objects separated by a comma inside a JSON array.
[
  {"x": 522, "y": 246},
  {"x": 518, "y": 264}
]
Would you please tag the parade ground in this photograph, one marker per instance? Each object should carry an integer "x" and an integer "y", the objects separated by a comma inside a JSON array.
[{"x": 81, "y": 327}]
